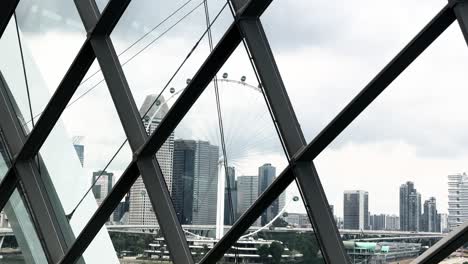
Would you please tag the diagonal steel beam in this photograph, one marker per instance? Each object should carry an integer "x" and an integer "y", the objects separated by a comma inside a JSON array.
[
  {"x": 419, "y": 43},
  {"x": 71, "y": 80},
  {"x": 7, "y": 187},
  {"x": 129, "y": 115},
  {"x": 202, "y": 78},
  {"x": 311, "y": 189},
  {"x": 444, "y": 247},
  {"x": 459, "y": 236},
  {"x": 416, "y": 46},
  {"x": 47, "y": 215},
  {"x": 7, "y": 8}
]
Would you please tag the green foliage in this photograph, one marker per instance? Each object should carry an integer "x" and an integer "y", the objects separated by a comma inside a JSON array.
[
  {"x": 135, "y": 243},
  {"x": 279, "y": 222},
  {"x": 276, "y": 250},
  {"x": 263, "y": 252}
]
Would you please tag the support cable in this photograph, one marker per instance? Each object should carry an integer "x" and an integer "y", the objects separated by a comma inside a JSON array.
[
  {"x": 138, "y": 52},
  {"x": 69, "y": 216},
  {"x": 221, "y": 128},
  {"x": 20, "y": 44}
]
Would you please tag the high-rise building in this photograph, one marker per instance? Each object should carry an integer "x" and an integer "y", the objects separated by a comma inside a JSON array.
[
  {"x": 458, "y": 203},
  {"x": 205, "y": 184},
  {"x": 140, "y": 208},
  {"x": 247, "y": 192},
  {"x": 356, "y": 210},
  {"x": 104, "y": 182},
  {"x": 183, "y": 176},
  {"x": 444, "y": 227},
  {"x": 266, "y": 175},
  {"x": 230, "y": 215},
  {"x": 195, "y": 179},
  {"x": 429, "y": 220},
  {"x": 410, "y": 207},
  {"x": 377, "y": 222},
  {"x": 392, "y": 222},
  {"x": 79, "y": 148}
]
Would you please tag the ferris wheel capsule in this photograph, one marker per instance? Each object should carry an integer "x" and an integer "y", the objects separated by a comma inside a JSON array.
[
  {"x": 225, "y": 75},
  {"x": 172, "y": 90},
  {"x": 243, "y": 78},
  {"x": 188, "y": 80}
]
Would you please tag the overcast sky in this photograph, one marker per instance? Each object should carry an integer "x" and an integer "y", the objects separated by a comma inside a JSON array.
[{"x": 327, "y": 51}]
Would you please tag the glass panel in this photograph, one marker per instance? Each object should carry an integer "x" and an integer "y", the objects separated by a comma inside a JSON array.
[
  {"x": 332, "y": 49},
  {"x": 51, "y": 35},
  {"x": 151, "y": 50},
  {"x": 397, "y": 169},
  {"x": 78, "y": 154},
  {"x": 19, "y": 242},
  {"x": 287, "y": 238}
]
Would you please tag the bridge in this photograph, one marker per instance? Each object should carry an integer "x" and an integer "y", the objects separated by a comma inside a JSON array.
[{"x": 370, "y": 233}]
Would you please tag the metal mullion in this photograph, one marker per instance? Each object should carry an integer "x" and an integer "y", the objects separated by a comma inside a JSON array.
[
  {"x": 309, "y": 184},
  {"x": 52, "y": 228},
  {"x": 444, "y": 247},
  {"x": 129, "y": 115},
  {"x": 7, "y": 8},
  {"x": 102, "y": 214},
  {"x": 7, "y": 187},
  {"x": 429, "y": 33},
  {"x": 459, "y": 236},
  {"x": 206, "y": 72},
  {"x": 403, "y": 59}
]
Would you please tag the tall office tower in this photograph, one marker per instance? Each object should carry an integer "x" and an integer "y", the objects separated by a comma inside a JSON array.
[
  {"x": 377, "y": 222},
  {"x": 429, "y": 219},
  {"x": 205, "y": 184},
  {"x": 392, "y": 222},
  {"x": 356, "y": 210},
  {"x": 458, "y": 203},
  {"x": 247, "y": 192},
  {"x": 444, "y": 226},
  {"x": 104, "y": 182},
  {"x": 230, "y": 216},
  {"x": 410, "y": 207},
  {"x": 266, "y": 175},
  {"x": 79, "y": 148},
  {"x": 182, "y": 181},
  {"x": 140, "y": 209}
]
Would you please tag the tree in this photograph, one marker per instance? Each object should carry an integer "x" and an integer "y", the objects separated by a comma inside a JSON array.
[
  {"x": 279, "y": 222},
  {"x": 276, "y": 250},
  {"x": 263, "y": 252}
]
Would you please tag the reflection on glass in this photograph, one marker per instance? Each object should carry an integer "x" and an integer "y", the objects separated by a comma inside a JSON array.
[{"x": 19, "y": 242}]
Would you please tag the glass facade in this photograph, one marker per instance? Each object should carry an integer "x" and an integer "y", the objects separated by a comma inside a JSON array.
[{"x": 163, "y": 132}]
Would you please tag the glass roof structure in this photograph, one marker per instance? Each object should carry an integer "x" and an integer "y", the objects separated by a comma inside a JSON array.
[{"x": 192, "y": 194}]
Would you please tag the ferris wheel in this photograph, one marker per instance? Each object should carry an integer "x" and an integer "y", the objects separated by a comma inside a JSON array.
[{"x": 250, "y": 136}]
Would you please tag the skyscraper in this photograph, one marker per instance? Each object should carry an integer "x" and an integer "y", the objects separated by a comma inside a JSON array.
[
  {"x": 230, "y": 216},
  {"x": 247, "y": 192},
  {"x": 104, "y": 182},
  {"x": 266, "y": 175},
  {"x": 458, "y": 204},
  {"x": 356, "y": 209},
  {"x": 205, "y": 184},
  {"x": 183, "y": 176},
  {"x": 392, "y": 222},
  {"x": 140, "y": 209},
  {"x": 430, "y": 220},
  {"x": 377, "y": 222},
  {"x": 410, "y": 207},
  {"x": 79, "y": 148}
]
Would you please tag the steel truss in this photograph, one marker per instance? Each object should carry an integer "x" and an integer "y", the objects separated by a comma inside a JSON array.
[{"x": 49, "y": 219}]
